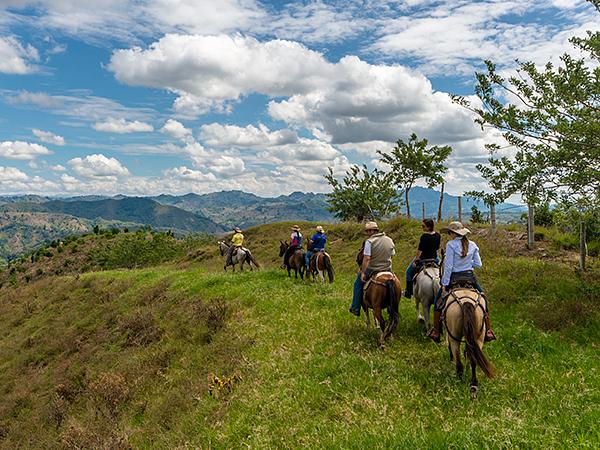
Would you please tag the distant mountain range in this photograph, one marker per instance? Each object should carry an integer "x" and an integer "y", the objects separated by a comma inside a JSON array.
[{"x": 30, "y": 220}]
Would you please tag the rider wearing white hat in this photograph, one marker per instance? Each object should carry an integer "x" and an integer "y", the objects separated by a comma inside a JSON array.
[
  {"x": 316, "y": 244},
  {"x": 462, "y": 256},
  {"x": 376, "y": 257}
]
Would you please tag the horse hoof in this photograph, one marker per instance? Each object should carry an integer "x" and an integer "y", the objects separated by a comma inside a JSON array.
[{"x": 473, "y": 392}]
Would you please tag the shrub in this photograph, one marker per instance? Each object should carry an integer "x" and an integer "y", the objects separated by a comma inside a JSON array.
[
  {"x": 140, "y": 329},
  {"x": 109, "y": 392}
]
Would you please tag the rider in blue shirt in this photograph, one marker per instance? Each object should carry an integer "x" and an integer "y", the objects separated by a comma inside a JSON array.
[{"x": 316, "y": 244}]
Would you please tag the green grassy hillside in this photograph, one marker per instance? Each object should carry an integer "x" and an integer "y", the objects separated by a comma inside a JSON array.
[{"x": 182, "y": 355}]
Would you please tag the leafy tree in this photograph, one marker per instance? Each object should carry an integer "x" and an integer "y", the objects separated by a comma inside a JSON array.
[
  {"x": 553, "y": 122},
  {"x": 96, "y": 229},
  {"x": 362, "y": 194},
  {"x": 412, "y": 161},
  {"x": 476, "y": 215}
]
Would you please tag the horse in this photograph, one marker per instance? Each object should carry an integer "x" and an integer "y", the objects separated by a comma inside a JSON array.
[
  {"x": 296, "y": 261},
  {"x": 241, "y": 256},
  {"x": 383, "y": 290},
  {"x": 427, "y": 284},
  {"x": 319, "y": 264},
  {"x": 464, "y": 317}
]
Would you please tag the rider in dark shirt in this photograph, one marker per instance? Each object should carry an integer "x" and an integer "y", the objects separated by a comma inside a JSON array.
[{"x": 429, "y": 244}]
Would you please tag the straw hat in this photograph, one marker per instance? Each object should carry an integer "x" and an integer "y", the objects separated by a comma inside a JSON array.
[
  {"x": 371, "y": 226},
  {"x": 319, "y": 228},
  {"x": 456, "y": 227},
  {"x": 295, "y": 228}
]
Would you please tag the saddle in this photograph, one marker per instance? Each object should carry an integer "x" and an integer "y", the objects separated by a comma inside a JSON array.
[
  {"x": 424, "y": 264},
  {"x": 374, "y": 279}
]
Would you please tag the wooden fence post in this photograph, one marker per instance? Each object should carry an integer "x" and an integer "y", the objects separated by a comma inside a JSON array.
[
  {"x": 493, "y": 217},
  {"x": 460, "y": 209},
  {"x": 530, "y": 226},
  {"x": 582, "y": 244}
]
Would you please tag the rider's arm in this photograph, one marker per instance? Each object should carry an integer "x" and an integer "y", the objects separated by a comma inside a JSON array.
[
  {"x": 366, "y": 257},
  {"x": 448, "y": 264},
  {"x": 418, "y": 255},
  {"x": 477, "y": 258}
]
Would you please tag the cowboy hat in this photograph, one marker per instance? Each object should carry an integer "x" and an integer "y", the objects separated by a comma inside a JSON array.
[
  {"x": 319, "y": 228},
  {"x": 237, "y": 229},
  {"x": 371, "y": 226},
  {"x": 456, "y": 227},
  {"x": 295, "y": 228}
]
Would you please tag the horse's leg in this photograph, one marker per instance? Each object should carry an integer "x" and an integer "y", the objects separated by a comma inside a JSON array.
[
  {"x": 377, "y": 313},
  {"x": 456, "y": 352},
  {"x": 368, "y": 318},
  {"x": 450, "y": 351},
  {"x": 417, "y": 303},
  {"x": 322, "y": 276},
  {"x": 427, "y": 313},
  {"x": 289, "y": 273},
  {"x": 473, "y": 387}
]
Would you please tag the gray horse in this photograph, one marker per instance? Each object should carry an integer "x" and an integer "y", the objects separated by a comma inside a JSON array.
[
  {"x": 240, "y": 256},
  {"x": 427, "y": 283}
]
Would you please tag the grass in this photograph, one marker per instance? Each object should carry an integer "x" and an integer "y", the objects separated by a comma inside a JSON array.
[{"x": 129, "y": 358}]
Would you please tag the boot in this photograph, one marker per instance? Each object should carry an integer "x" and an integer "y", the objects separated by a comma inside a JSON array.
[
  {"x": 489, "y": 334},
  {"x": 434, "y": 333}
]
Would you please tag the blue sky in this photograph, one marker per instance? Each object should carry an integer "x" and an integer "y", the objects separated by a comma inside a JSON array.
[{"x": 176, "y": 96}]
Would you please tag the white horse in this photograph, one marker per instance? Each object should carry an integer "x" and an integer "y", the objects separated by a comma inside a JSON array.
[
  {"x": 427, "y": 284},
  {"x": 240, "y": 256}
]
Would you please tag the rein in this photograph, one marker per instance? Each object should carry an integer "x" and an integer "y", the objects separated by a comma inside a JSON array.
[{"x": 460, "y": 301}]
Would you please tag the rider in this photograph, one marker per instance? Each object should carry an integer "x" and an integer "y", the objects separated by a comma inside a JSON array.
[
  {"x": 429, "y": 244},
  {"x": 295, "y": 244},
  {"x": 462, "y": 256},
  {"x": 237, "y": 240},
  {"x": 316, "y": 244},
  {"x": 377, "y": 257}
]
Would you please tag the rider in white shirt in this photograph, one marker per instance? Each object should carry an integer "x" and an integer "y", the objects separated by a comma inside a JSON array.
[{"x": 462, "y": 257}]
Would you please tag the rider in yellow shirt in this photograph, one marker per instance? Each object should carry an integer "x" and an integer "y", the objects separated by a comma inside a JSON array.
[{"x": 237, "y": 240}]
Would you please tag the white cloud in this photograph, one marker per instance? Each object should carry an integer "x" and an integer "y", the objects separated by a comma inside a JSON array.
[
  {"x": 220, "y": 135},
  {"x": 455, "y": 38},
  {"x": 58, "y": 168},
  {"x": 16, "y": 58},
  {"x": 80, "y": 106},
  {"x": 12, "y": 174},
  {"x": 22, "y": 150},
  {"x": 176, "y": 129},
  {"x": 48, "y": 137},
  {"x": 122, "y": 126},
  {"x": 208, "y": 68},
  {"x": 190, "y": 174},
  {"x": 99, "y": 167}
]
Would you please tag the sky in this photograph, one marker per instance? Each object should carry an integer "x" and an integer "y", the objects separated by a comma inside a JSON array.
[{"x": 142, "y": 97}]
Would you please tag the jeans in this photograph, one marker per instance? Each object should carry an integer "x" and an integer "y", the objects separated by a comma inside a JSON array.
[
  {"x": 358, "y": 293},
  {"x": 467, "y": 273},
  {"x": 307, "y": 257}
]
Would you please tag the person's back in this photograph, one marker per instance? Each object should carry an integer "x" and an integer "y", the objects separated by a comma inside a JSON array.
[
  {"x": 237, "y": 240},
  {"x": 382, "y": 249},
  {"x": 318, "y": 241}
]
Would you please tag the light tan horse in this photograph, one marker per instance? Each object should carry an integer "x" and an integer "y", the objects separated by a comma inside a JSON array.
[
  {"x": 463, "y": 318},
  {"x": 382, "y": 291}
]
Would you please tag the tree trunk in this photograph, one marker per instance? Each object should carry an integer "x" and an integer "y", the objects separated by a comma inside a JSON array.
[
  {"x": 407, "y": 204},
  {"x": 493, "y": 217},
  {"x": 441, "y": 204},
  {"x": 460, "y": 209},
  {"x": 530, "y": 226},
  {"x": 582, "y": 244}
]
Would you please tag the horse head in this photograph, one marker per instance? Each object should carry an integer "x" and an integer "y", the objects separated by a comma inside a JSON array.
[
  {"x": 222, "y": 246},
  {"x": 283, "y": 246}
]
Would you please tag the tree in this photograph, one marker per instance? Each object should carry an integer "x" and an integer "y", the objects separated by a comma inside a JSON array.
[
  {"x": 476, "y": 215},
  {"x": 412, "y": 161},
  {"x": 553, "y": 122},
  {"x": 362, "y": 194}
]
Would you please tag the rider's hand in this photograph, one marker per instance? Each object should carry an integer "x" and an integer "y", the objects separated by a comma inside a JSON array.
[{"x": 363, "y": 277}]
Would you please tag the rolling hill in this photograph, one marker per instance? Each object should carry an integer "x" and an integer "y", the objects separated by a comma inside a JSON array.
[{"x": 178, "y": 354}]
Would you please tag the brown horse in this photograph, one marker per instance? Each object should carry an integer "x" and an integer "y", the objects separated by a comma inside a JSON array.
[
  {"x": 383, "y": 291},
  {"x": 296, "y": 261},
  {"x": 463, "y": 317},
  {"x": 320, "y": 263}
]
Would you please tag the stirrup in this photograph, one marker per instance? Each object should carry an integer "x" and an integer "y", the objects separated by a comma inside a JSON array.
[
  {"x": 431, "y": 335},
  {"x": 489, "y": 336}
]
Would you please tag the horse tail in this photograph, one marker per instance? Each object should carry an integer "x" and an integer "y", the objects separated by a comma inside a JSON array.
[
  {"x": 251, "y": 259},
  {"x": 392, "y": 306},
  {"x": 472, "y": 348},
  {"x": 328, "y": 267}
]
